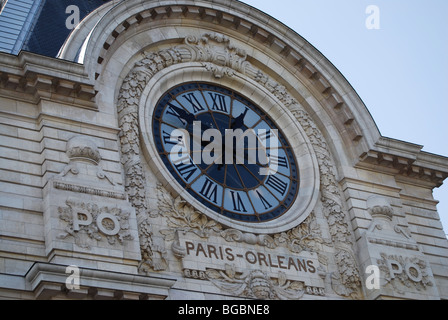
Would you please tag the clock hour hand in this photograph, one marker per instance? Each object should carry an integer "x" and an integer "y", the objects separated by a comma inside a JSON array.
[{"x": 238, "y": 122}]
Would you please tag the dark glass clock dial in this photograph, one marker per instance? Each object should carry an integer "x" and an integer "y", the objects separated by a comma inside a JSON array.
[{"x": 243, "y": 183}]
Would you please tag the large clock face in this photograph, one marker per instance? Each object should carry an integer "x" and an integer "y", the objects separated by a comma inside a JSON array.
[{"x": 226, "y": 152}]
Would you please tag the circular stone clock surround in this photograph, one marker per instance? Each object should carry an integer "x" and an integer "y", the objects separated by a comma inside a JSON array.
[{"x": 303, "y": 151}]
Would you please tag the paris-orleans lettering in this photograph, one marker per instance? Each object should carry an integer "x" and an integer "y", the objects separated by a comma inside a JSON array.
[{"x": 251, "y": 257}]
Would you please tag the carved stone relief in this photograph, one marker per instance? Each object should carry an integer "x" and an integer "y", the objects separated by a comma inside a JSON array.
[
  {"x": 86, "y": 211},
  {"x": 83, "y": 152},
  {"x": 88, "y": 221},
  {"x": 256, "y": 284},
  {"x": 182, "y": 217},
  {"x": 383, "y": 230},
  {"x": 219, "y": 56},
  {"x": 405, "y": 273},
  {"x": 404, "y": 269}
]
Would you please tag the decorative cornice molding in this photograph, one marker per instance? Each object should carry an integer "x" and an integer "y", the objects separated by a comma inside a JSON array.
[
  {"x": 36, "y": 77},
  {"x": 49, "y": 280},
  {"x": 406, "y": 166}
]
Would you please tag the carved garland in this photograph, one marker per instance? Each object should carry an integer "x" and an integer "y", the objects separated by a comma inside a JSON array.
[
  {"x": 220, "y": 57},
  {"x": 183, "y": 217}
]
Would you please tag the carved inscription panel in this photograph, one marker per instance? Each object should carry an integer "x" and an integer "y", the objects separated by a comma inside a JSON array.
[{"x": 228, "y": 264}]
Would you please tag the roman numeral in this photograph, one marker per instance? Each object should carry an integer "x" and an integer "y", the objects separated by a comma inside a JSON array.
[
  {"x": 197, "y": 107},
  {"x": 278, "y": 161},
  {"x": 263, "y": 136},
  {"x": 210, "y": 191},
  {"x": 238, "y": 204},
  {"x": 186, "y": 170},
  {"x": 277, "y": 184},
  {"x": 174, "y": 111},
  {"x": 265, "y": 203},
  {"x": 169, "y": 140},
  {"x": 219, "y": 102}
]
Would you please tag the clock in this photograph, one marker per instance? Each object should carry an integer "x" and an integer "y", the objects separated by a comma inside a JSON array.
[{"x": 251, "y": 177}]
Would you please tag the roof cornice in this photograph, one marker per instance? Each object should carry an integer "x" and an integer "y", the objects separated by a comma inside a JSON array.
[
  {"x": 33, "y": 77},
  {"x": 407, "y": 160}
]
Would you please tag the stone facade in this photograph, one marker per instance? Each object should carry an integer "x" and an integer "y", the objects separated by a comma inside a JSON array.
[{"x": 84, "y": 193}]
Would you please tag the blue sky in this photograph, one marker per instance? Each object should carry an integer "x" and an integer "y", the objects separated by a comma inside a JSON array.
[{"x": 400, "y": 71}]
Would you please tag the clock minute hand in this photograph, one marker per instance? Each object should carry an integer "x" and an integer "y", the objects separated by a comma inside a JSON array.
[
  {"x": 237, "y": 123},
  {"x": 188, "y": 117}
]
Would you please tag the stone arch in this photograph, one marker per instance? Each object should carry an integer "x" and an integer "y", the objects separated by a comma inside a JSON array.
[{"x": 318, "y": 85}]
